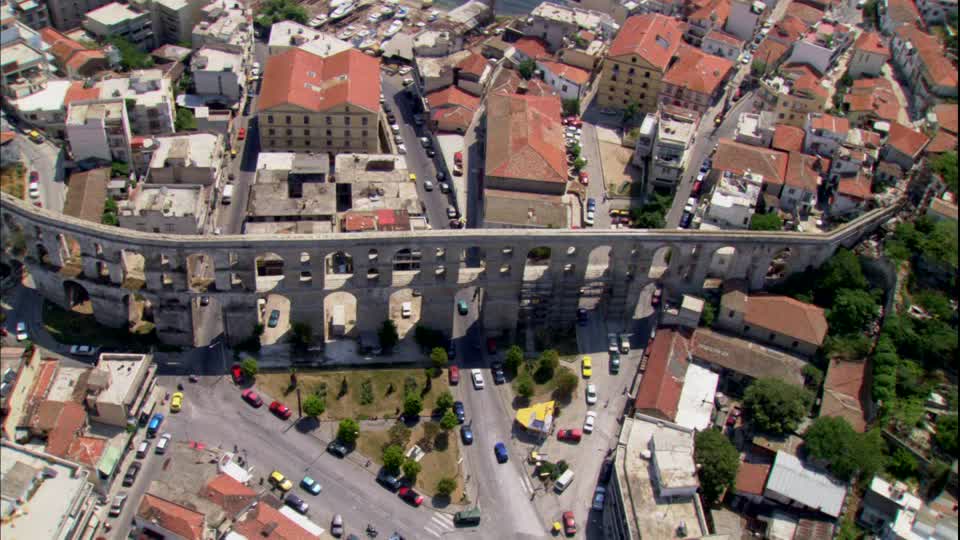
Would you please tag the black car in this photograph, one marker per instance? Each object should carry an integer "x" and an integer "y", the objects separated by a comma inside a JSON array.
[
  {"x": 466, "y": 434},
  {"x": 685, "y": 220},
  {"x": 392, "y": 118},
  {"x": 338, "y": 449},
  {"x": 582, "y": 317},
  {"x": 387, "y": 480},
  {"x": 451, "y": 351},
  {"x": 606, "y": 472},
  {"x": 132, "y": 473},
  {"x": 295, "y": 502},
  {"x": 459, "y": 411},
  {"x": 614, "y": 362},
  {"x": 498, "y": 376}
]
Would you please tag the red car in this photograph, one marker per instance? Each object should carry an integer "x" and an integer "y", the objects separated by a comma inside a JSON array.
[
  {"x": 697, "y": 186},
  {"x": 569, "y": 524},
  {"x": 572, "y": 435},
  {"x": 34, "y": 176},
  {"x": 252, "y": 397},
  {"x": 281, "y": 410},
  {"x": 237, "y": 374},
  {"x": 584, "y": 178},
  {"x": 491, "y": 345},
  {"x": 410, "y": 496},
  {"x": 241, "y": 134},
  {"x": 454, "y": 375},
  {"x": 732, "y": 417},
  {"x": 573, "y": 121},
  {"x": 458, "y": 158}
]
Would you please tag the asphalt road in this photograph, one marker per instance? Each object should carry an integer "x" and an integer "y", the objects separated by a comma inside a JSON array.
[{"x": 47, "y": 159}]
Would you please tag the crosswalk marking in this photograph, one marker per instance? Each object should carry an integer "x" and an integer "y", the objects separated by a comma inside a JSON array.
[{"x": 439, "y": 524}]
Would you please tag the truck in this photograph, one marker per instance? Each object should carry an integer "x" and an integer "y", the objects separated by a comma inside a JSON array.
[
  {"x": 227, "y": 194},
  {"x": 338, "y": 324}
]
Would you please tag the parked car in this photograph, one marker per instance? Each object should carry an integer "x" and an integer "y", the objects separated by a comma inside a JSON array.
[
  {"x": 82, "y": 350},
  {"x": 569, "y": 524},
  {"x": 294, "y": 501},
  {"x": 310, "y": 485},
  {"x": 252, "y": 397},
  {"x": 462, "y": 307},
  {"x": 428, "y": 186},
  {"x": 274, "y": 318},
  {"x": 388, "y": 480},
  {"x": 338, "y": 449},
  {"x": 589, "y": 422},
  {"x": 606, "y": 472},
  {"x": 614, "y": 363},
  {"x": 176, "y": 402},
  {"x": 452, "y": 212},
  {"x": 466, "y": 434},
  {"x": 459, "y": 411},
  {"x": 117, "y": 506},
  {"x": 411, "y": 496},
  {"x": 685, "y": 220},
  {"x": 598, "y": 497},
  {"x": 477, "y": 379},
  {"x": 336, "y": 526},
  {"x": 132, "y": 471},
  {"x": 281, "y": 410},
  {"x": 241, "y": 134},
  {"x": 586, "y": 367},
  {"x": 278, "y": 480},
  {"x": 454, "y": 374},
  {"x": 236, "y": 373},
  {"x": 570, "y": 435},
  {"x": 500, "y": 451},
  {"x": 499, "y": 377},
  {"x": 591, "y": 394},
  {"x": 21, "y": 331}
]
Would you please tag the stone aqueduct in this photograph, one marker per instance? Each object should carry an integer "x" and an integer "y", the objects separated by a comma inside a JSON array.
[{"x": 67, "y": 256}]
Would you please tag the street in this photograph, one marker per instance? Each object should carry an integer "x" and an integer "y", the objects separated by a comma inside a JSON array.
[{"x": 47, "y": 159}]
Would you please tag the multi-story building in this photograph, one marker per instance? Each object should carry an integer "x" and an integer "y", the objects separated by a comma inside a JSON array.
[
  {"x": 671, "y": 150},
  {"x": 119, "y": 20},
  {"x": 869, "y": 55},
  {"x": 167, "y": 209},
  {"x": 570, "y": 82},
  {"x": 722, "y": 44},
  {"x": 937, "y": 11},
  {"x": 798, "y": 326},
  {"x": 314, "y": 104},
  {"x": 30, "y": 12},
  {"x": 25, "y": 70},
  {"x": 187, "y": 159},
  {"x": 822, "y": 47},
  {"x": 151, "y": 112},
  {"x": 436, "y": 43},
  {"x": 637, "y": 60},
  {"x": 895, "y": 13},
  {"x": 286, "y": 35},
  {"x": 733, "y": 201},
  {"x": 871, "y": 100},
  {"x": 799, "y": 192},
  {"x": 706, "y": 17},
  {"x": 69, "y": 14},
  {"x": 903, "y": 145},
  {"x": 921, "y": 60},
  {"x": 824, "y": 133},
  {"x": 99, "y": 130},
  {"x": 696, "y": 80},
  {"x": 218, "y": 73},
  {"x": 175, "y": 19},
  {"x": 452, "y": 109},
  {"x": 743, "y": 20},
  {"x": 554, "y": 23},
  {"x": 794, "y": 95},
  {"x": 72, "y": 58},
  {"x": 226, "y": 28},
  {"x": 756, "y": 129},
  {"x": 583, "y": 53},
  {"x": 119, "y": 387}
]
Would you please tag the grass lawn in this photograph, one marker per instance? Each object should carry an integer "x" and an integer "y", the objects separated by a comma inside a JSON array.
[
  {"x": 73, "y": 328},
  {"x": 385, "y": 400},
  {"x": 12, "y": 180},
  {"x": 434, "y": 465}
]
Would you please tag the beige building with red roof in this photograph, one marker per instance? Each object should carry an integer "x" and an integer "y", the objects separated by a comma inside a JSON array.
[
  {"x": 696, "y": 80},
  {"x": 637, "y": 61},
  {"x": 794, "y": 95},
  {"x": 787, "y": 138},
  {"x": 267, "y": 523},
  {"x": 781, "y": 321},
  {"x": 74, "y": 59},
  {"x": 170, "y": 520},
  {"x": 869, "y": 55},
  {"x": 845, "y": 391},
  {"x": 740, "y": 158},
  {"x": 800, "y": 185},
  {"x": 824, "y": 133},
  {"x": 852, "y": 195},
  {"x": 921, "y": 60},
  {"x": 452, "y": 109},
  {"x": 570, "y": 82},
  {"x": 720, "y": 43},
  {"x": 870, "y": 100},
  {"x": 903, "y": 145},
  {"x": 662, "y": 382},
  {"x": 316, "y": 104}
]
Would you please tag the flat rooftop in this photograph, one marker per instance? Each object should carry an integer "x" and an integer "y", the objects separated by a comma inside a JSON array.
[
  {"x": 434, "y": 67},
  {"x": 21, "y": 54},
  {"x": 79, "y": 114},
  {"x": 292, "y": 186},
  {"x": 675, "y": 131},
  {"x": 113, "y": 13},
  {"x": 50, "y": 99},
  {"x": 286, "y": 34},
  {"x": 196, "y": 150},
  {"x": 126, "y": 372},
  {"x": 183, "y": 482},
  {"x": 65, "y": 383},
  {"x": 177, "y": 200},
  {"x": 209, "y": 59},
  {"x": 695, "y": 408},
  {"x": 647, "y": 514}
]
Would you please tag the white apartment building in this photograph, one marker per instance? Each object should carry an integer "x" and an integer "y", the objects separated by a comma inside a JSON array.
[
  {"x": 824, "y": 133},
  {"x": 218, "y": 73},
  {"x": 552, "y": 23},
  {"x": 24, "y": 65},
  {"x": 719, "y": 43},
  {"x": 224, "y": 27},
  {"x": 756, "y": 129},
  {"x": 187, "y": 159},
  {"x": 821, "y": 48},
  {"x": 570, "y": 82},
  {"x": 744, "y": 18},
  {"x": 99, "y": 130},
  {"x": 671, "y": 151},
  {"x": 119, "y": 387},
  {"x": 119, "y": 20},
  {"x": 167, "y": 209},
  {"x": 32, "y": 13},
  {"x": 286, "y": 35},
  {"x": 176, "y": 18},
  {"x": 152, "y": 95},
  {"x": 733, "y": 201},
  {"x": 436, "y": 43}
]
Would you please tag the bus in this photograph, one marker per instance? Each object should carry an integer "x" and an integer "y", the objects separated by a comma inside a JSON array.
[{"x": 154, "y": 425}]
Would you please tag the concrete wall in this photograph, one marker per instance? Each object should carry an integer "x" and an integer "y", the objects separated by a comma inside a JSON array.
[{"x": 507, "y": 280}]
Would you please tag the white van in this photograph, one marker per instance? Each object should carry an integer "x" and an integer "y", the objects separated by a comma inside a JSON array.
[
  {"x": 564, "y": 481},
  {"x": 227, "y": 194},
  {"x": 406, "y": 310},
  {"x": 162, "y": 443},
  {"x": 142, "y": 450}
]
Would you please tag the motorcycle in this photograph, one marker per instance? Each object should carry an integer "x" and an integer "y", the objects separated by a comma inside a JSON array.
[{"x": 371, "y": 531}]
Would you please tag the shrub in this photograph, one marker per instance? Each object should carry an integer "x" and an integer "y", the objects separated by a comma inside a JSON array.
[
  {"x": 313, "y": 406},
  {"x": 366, "y": 392},
  {"x": 446, "y": 486},
  {"x": 393, "y": 458},
  {"x": 348, "y": 430},
  {"x": 412, "y": 405},
  {"x": 249, "y": 367},
  {"x": 411, "y": 469},
  {"x": 444, "y": 400}
]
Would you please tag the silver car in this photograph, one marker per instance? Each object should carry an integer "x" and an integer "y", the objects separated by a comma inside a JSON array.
[{"x": 336, "y": 526}]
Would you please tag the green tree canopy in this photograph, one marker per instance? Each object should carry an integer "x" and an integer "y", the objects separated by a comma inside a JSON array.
[
  {"x": 718, "y": 461},
  {"x": 249, "y": 367},
  {"x": 524, "y": 385},
  {"x": 446, "y": 486},
  {"x": 946, "y": 437},
  {"x": 946, "y": 166},
  {"x": 527, "y": 68},
  {"x": 412, "y": 404},
  {"x": 852, "y": 311},
  {"x": 313, "y": 406},
  {"x": 131, "y": 57},
  {"x": 513, "y": 359},
  {"x": 766, "y": 222},
  {"x": 274, "y": 11},
  {"x": 566, "y": 382},
  {"x": 842, "y": 271},
  {"x": 833, "y": 440},
  {"x": 348, "y": 430},
  {"x": 776, "y": 407},
  {"x": 438, "y": 357},
  {"x": 571, "y": 107},
  {"x": 411, "y": 469},
  {"x": 388, "y": 336},
  {"x": 449, "y": 420},
  {"x": 444, "y": 400},
  {"x": 393, "y": 458}
]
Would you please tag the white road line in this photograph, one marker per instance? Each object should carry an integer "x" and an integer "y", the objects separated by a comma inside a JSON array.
[
  {"x": 442, "y": 521},
  {"x": 432, "y": 531}
]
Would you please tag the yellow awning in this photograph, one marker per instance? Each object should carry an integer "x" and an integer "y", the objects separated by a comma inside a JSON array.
[{"x": 537, "y": 417}]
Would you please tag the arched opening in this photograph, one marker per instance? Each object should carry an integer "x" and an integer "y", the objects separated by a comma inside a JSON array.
[
  {"x": 373, "y": 256},
  {"x": 339, "y": 315},
  {"x": 132, "y": 265},
  {"x": 201, "y": 273},
  {"x": 77, "y": 298},
  {"x": 404, "y": 310},
  {"x": 43, "y": 255},
  {"x": 475, "y": 257},
  {"x": 139, "y": 314},
  {"x": 339, "y": 263},
  {"x": 72, "y": 255},
  {"x": 596, "y": 280},
  {"x": 208, "y": 319},
  {"x": 275, "y": 318},
  {"x": 721, "y": 263},
  {"x": 779, "y": 267},
  {"x": 269, "y": 271},
  {"x": 406, "y": 260},
  {"x": 661, "y": 262}
]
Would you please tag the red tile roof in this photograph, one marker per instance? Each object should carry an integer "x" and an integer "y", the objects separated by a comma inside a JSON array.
[
  {"x": 67, "y": 51},
  {"x": 652, "y": 37},
  {"x": 947, "y": 117},
  {"x": 453, "y": 106},
  {"x": 475, "y": 64},
  {"x": 828, "y": 122},
  {"x": 7, "y": 136},
  {"x": 788, "y": 30},
  {"x": 573, "y": 74},
  {"x": 662, "y": 382},
  {"x": 532, "y": 47},
  {"x": 855, "y": 188},
  {"x": 525, "y": 138},
  {"x": 940, "y": 71},
  {"x": 843, "y": 390},
  {"x": 788, "y": 138},
  {"x": 509, "y": 82},
  {"x": 807, "y": 81},
  {"x": 267, "y": 523},
  {"x": 787, "y": 316},
  {"x": 86, "y": 450},
  {"x": 68, "y": 426},
  {"x": 801, "y": 172},
  {"x": 715, "y": 11},
  {"x": 229, "y": 494},
  {"x": 752, "y": 478},
  {"x": 903, "y": 12},
  {"x": 173, "y": 517},
  {"x": 697, "y": 71},
  {"x": 724, "y": 37},
  {"x": 77, "y": 92},
  {"x": 738, "y": 158},
  {"x": 770, "y": 52},
  {"x": 806, "y": 13},
  {"x": 314, "y": 83},
  {"x": 871, "y": 42},
  {"x": 907, "y": 141},
  {"x": 942, "y": 142},
  {"x": 875, "y": 96}
]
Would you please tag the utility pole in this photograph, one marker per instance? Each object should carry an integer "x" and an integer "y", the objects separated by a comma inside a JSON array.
[{"x": 299, "y": 406}]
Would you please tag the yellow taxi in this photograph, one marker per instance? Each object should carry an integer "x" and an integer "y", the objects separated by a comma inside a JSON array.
[
  {"x": 279, "y": 480},
  {"x": 176, "y": 402},
  {"x": 413, "y": 177},
  {"x": 35, "y": 136},
  {"x": 586, "y": 367},
  {"x": 233, "y": 152}
]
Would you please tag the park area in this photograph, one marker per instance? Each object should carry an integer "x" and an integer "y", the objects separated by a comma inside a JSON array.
[
  {"x": 442, "y": 452},
  {"x": 12, "y": 180}
]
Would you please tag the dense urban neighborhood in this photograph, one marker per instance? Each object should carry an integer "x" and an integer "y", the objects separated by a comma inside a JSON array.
[{"x": 437, "y": 269}]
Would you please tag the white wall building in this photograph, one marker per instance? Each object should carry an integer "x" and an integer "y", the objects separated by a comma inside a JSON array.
[
  {"x": 756, "y": 129},
  {"x": 744, "y": 18},
  {"x": 671, "y": 151},
  {"x": 187, "y": 159},
  {"x": 794, "y": 484},
  {"x": 152, "y": 95},
  {"x": 720, "y": 43},
  {"x": 99, "y": 130},
  {"x": 119, "y": 20},
  {"x": 733, "y": 201},
  {"x": 218, "y": 73},
  {"x": 436, "y": 43},
  {"x": 570, "y": 82},
  {"x": 225, "y": 27},
  {"x": 824, "y": 133},
  {"x": 286, "y": 35},
  {"x": 166, "y": 209},
  {"x": 869, "y": 55}
]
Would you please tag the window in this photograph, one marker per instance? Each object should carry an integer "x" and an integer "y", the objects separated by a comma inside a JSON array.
[
  {"x": 731, "y": 313},
  {"x": 270, "y": 119},
  {"x": 782, "y": 116},
  {"x": 365, "y": 133},
  {"x": 306, "y": 119},
  {"x": 642, "y": 96},
  {"x": 329, "y": 121},
  {"x": 772, "y": 335},
  {"x": 346, "y": 133},
  {"x": 746, "y": 329},
  {"x": 306, "y": 133},
  {"x": 644, "y": 85},
  {"x": 289, "y": 131},
  {"x": 329, "y": 133},
  {"x": 624, "y": 102},
  {"x": 631, "y": 72},
  {"x": 364, "y": 121},
  {"x": 791, "y": 191},
  {"x": 646, "y": 74},
  {"x": 289, "y": 142},
  {"x": 633, "y": 59},
  {"x": 612, "y": 89},
  {"x": 346, "y": 121},
  {"x": 271, "y": 131},
  {"x": 288, "y": 120},
  {"x": 563, "y": 88},
  {"x": 329, "y": 142},
  {"x": 794, "y": 344}
]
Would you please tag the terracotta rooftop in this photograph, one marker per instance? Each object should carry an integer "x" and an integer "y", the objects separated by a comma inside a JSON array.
[
  {"x": 453, "y": 96},
  {"x": 947, "y": 117},
  {"x": 180, "y": 520},
  {"x": 68, "y": 51},
  {"x": 752, "y": 478},
  {"x": 787, "y": 316},
  {"x": 771, "y": 51},
  {"x": 525, "y": 138},
  {"x": 7, "y": 136},
  {"x": 843, "y": 389},
  {"x": 509, "y": 82},
  {"x": 807, "y": 81},
  {"x": 903, "y": 12},
  {"x": 943, "y": 208},
  {"x": 716, "y": 11},
  {"x": 573, "y": 74},
  {"x": 87, "y": 194},
  {"x": 939, "y": 69},
  {"x": 905, "y": 140},
  {"x": 662, "y": 382},
  {"x": 738, "y": 158},
  {"x": 68, "y": 426},
  {"x": 831, "y": 123},
  {"x": 871, "y": 42},
  {"x": 532, "y": 47},
  {"x": 746, "y": 357},
  {"x": 475, "y": 64},
  {"x": 697, "y": 71},
  {"x": 788, "y": 30},
  {"x": 724, "y": 37},
  {"x": 803, "y": 171},
  {"x": 229, "y": 494},
  {"x": 857, "y": 187},
  {"x": 77, "y": 92},
  {"x": 652, "y": 37},
  {"x": 942, "y": 142},
  {"x": 788, "y": 138},
  {"x": 874, "y": 95},
  {"x": 267, "y": 523},
  {"x": 806, "y": 13},
  {"x": 317, "y": 84},
  {"x": 86, "y": 450}
]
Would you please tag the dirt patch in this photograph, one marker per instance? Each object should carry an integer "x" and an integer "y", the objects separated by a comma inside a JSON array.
[
  {"x": 435, "y": 464},
  {"x": 617, "y": 167},
  {"x": 13, "y": 180}
]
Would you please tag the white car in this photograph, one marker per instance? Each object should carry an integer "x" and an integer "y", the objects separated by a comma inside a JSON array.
[
  {"x": 428, "y": 185},
  {"x": 81, "y": 350},
  {"x": 34, "y": 190},
  {"x": 395, "y": 129},
  {"x": 746, "y": 58},
  {"x": 591, "y": 394},
  {"x": 22, "y": 334},
  {"x": 477, "y": 378},
  {"x": 398, "y": 139},
  {"x": 588, "y": 219},
  {"x": 588, "y": 423},
  {"x": 401, "y": 149}
]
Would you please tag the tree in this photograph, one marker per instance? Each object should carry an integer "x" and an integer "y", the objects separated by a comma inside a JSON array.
[
  {"x": 313, "y": 406},
  {"x": 547, "y": 364},
  {"x": 513, "y": 359},
  {"x": 630, "y": 112},
  {"x": 411, "y": 469},
  {"x": 776, "y": 407},
  {"x": 946, "y": 166},
  {"x": 348, "y": 431},
  {"x": 579, "y": 163},
  {"x": 274, "y": 11},
  {"x": 524, "y": 385},
  {"x": 903, "y": 464},
  {"x": 446, "y": 486},
  {"x": 571, "y": 107},
  {"x": 249, "y": 367},
  {"x": 388, "y": 335},
  {"x": 852, "y": 311},
  {"x": 842, "y": 271},
  {"x": 812, "y": 377},
  {"x": 718, "y": 461},
  {"x": 301, "y": 336},
  {"x": 527, "y": 68},
  {"x": 444, "y": 400},
  {"x": 185, "y": 120},
  {"x": 110, "y": 210},
  {"x": 766, "y": 222},
  {"x": 412, "y": 405},
  {"x": 832, "y": 440},
  {"x": 946, "y": 436},
  {"x": 449, "y": 420},
  {"x": 393, "y": 458},
  {"x": 438, "y": 357},
  {"x": 709, "y": 314},
  {"x": 758, "y": 68},
  {"x": 131, "y": 57},
  {"x": 566, "y": 382},
  {"x": 428, "y": 338}
]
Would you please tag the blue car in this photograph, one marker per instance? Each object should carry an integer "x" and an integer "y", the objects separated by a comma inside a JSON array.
[
  {"x": 310, "y": 485},
  {"x": 459, "y": 411},
  {"x": 466, "y": 434},
  {"x": 500, "y": 450},
  {"x": 685, "y": 220},
  {"x": 591, "y": 204}
]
